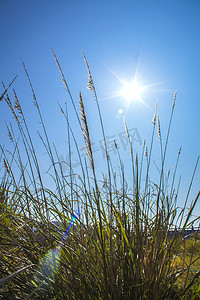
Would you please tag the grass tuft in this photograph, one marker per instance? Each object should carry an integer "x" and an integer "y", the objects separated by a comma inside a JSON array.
[{"x": 129, "y": 240}]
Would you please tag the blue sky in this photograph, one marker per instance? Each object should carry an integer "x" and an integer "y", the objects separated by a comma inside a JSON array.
[{"x": 157, "y": 40}]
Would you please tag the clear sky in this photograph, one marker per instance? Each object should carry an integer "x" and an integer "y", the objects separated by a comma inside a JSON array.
[{"x": 156, "y": 41}]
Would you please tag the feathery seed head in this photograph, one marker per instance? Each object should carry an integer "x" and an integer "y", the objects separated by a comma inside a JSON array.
[
  {"x": 136, "y": 160},
  {"x": 159, "y": 132},
  {"x": 85, "y": 132},
  {"x": 145, "y": 152},
  {"x": 108, "y": 157},
  {"x": 179, "y": 151},
  {"x": 90, "y": 84},
  {"x": 6, "y": 166},
  {"x": 30, "y": 83},
  {"x": 174, "y": 101},
  {"x": 131, "y": 148},
  {"x": 126, "y": 128},
  {"x": 9, "y": 134},
  {"x": 8, "y": 101},
  {"x": 154, "y": 119},
  {"x": 115, "y": 144},
  {"x": 17, "y": 105}
]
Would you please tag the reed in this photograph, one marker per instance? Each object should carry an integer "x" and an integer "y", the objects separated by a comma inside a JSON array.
[{"x": 119, "y": 246}]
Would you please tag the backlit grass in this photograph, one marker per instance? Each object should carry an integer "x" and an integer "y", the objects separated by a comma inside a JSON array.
[{"x": 118, "y": 248}]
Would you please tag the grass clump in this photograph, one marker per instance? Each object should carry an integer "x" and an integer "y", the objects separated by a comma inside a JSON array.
[{"x": 119, "y": 245}]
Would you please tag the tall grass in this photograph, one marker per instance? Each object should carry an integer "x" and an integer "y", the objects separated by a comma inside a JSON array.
[{"x": 119, "y": 247}]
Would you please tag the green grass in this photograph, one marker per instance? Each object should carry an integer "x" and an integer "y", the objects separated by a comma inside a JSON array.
[{"x": 119, "y": 247}]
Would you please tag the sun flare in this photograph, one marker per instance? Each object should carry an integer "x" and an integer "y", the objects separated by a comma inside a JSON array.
[{"x": 132, "y": 90}]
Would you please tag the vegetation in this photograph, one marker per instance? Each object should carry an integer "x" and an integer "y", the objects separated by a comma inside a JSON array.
[{"x": 118, "y": 247}]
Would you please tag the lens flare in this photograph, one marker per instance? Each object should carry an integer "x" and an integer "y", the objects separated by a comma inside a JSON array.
[{"x": 48, "y": 266}]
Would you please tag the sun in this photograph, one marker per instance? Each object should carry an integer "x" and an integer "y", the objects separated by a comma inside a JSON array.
[{"x": 132, "y": 90}]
